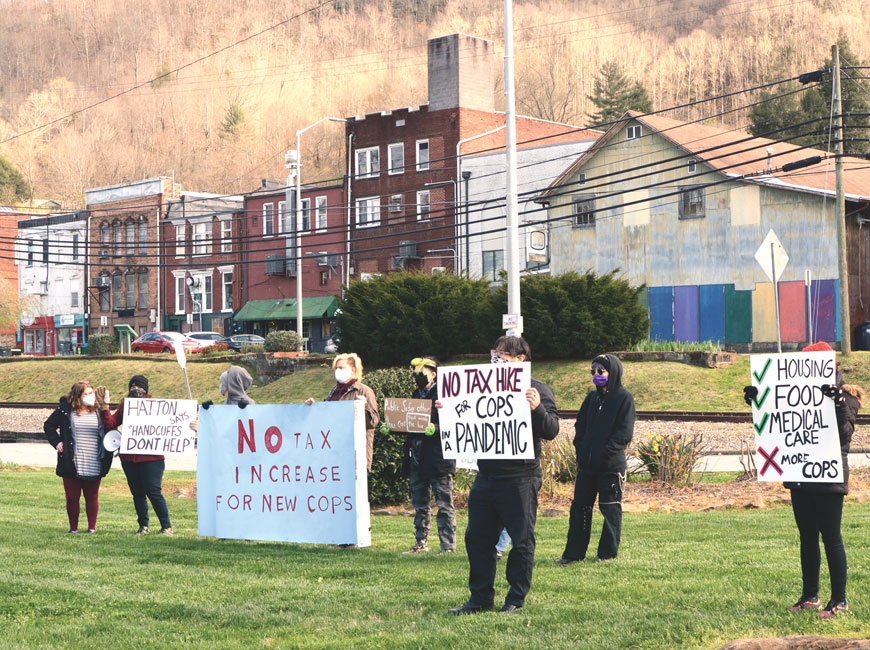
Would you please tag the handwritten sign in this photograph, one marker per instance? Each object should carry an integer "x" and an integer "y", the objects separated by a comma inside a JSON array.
[
  {"x": 158, "y": 426},
  {"x": 284, "y": 472},
  {"x": 485, "y": 413},
  {"x": 407, "y": 415},
  {"x": 796, "y": 435}
]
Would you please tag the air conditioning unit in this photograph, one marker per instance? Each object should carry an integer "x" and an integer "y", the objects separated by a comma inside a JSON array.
[
  {"x": 397, "y": 262},
  {"x": 323, "y": 258},
  {"x": 101, "y": 281},
  {"x": 407, "y": 249},
  {"x": 438, "y": 270},
  {"x": 103, "y": 253},
  {"x": 275, "y": 265}
]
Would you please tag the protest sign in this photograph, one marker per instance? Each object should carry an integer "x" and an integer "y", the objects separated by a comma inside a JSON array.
[
  {"x": 485, "y": 413},
  {"x": 158, "y": 427},
  {"x": 407, "y": 415},
  {"x": 284, "y": 472},
  {"x": 796, "y": 435}
]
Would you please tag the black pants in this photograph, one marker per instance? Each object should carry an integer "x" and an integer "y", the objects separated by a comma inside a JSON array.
[
  {"x": 608, "y": 488},
  {"x": 815, "y": 514},
  {"x": 146, "y": 484},
  {"x": 493, "y": 505}
]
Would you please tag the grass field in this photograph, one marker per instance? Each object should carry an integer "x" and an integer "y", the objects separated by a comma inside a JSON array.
[{"x": 683, "y": 580}]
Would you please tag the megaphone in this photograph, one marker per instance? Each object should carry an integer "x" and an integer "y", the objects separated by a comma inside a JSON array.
[{"x": 112, "y": 440}]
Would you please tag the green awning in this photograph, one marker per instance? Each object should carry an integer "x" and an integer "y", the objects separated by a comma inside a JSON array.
[
  {"x": 123, "y": 328},
  {"x": 285, "y": 309}
]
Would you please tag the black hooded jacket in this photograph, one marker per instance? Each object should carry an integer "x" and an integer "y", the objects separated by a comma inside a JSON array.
[{"x": 605, "y": 424}]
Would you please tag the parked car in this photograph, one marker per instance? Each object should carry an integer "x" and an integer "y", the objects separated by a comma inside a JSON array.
[
  {"x": 236, "y": 341},
  {"x": 165, "y": 342},
  {"x": 207, "y": 339}
]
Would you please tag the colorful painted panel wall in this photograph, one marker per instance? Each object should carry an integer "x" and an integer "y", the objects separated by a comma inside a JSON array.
[
  {"x": 793, "y": 311},
  {"x": 661, "y": 313},
  {"x": 824, "y": 296},
  {"x": 686, "y": 315},
  {"x": 738, "y": 315},
  {"x": 711, "y": 298}
]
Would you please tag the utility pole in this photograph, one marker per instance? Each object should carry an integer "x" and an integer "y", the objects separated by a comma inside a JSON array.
[
  {"x": 840, "y": 209},
  {"x": 512, "y": 237}
]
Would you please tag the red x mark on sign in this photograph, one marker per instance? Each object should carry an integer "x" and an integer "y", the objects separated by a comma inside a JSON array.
[{"x": 769, "y": 461}]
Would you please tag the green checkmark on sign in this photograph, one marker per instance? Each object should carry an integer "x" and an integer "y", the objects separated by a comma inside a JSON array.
[
  {"x": 760, "y": 377},
  {"x": 759, "y": 426},
  {"x": 758, "y": 401}
]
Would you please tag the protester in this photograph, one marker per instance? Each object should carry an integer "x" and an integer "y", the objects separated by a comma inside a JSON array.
[
  {"x": 75, "y": 430},
  {"x": 348, "y": 386},
  {"x": 233, "y": 385},
  {"x": 504, "y": 495},
  {"x": 429, "y": 472},
  {"x": 818, "y": 507},
  {"x": 604, "y": 428},
  {"x": 144, "y": 472}
]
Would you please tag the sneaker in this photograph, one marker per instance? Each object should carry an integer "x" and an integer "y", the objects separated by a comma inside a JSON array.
[
  {"x": 422, "y": 546},
  {"x": 165, "y": 531},
  {"x": 143, "y": 530},
  {"x": 91, "y": 531},
  {"x": 805, "y": 603},
  {"x": 833, "y": 608},
  {"x": 72, "y": 532},
  {"x": 445, "y": 551}
]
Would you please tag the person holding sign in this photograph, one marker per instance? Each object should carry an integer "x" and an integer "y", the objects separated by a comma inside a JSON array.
[
  {"x": 75, "y": 430},
  {"x": 430, "y": 473},
  {"x": 144, "y": 472},
  {"x": 604, "y": 428},
  {"x": 818, "y": 507},
  {"x": 505, "y": 496},
  {"x": 348, "y": 386}
]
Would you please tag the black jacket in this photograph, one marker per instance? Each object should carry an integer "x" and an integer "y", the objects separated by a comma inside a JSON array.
[
  {"x": 605, "y": 424},
  {"x": 545, "y": 426},
  {"x": 423, "y": 453},
  {"x": 847, "y": 413},
  {"x": 58, "y": 428}
]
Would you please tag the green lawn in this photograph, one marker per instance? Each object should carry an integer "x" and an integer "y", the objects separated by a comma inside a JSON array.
[{"x": 683, "y": 580}]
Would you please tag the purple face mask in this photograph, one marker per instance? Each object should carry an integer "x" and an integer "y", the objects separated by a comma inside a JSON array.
[{"x": 600, "y": 380}]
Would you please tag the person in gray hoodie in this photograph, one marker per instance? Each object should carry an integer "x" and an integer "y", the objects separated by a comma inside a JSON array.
[
  {"x": 604, "y": 428},
  {"x": 234, "y": 383}
]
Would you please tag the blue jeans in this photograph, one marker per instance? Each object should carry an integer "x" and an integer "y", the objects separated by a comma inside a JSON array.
[
  {"x": 421, "y": 495},
  {"x": 146, "y": 484}
]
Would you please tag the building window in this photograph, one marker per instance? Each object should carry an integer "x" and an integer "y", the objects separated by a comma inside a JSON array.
[
  {"x": 422, "y": 155},
  {"x": 202, "y": 238},
  {"x": 227, "y": 291},
  {"x": 227, "y": 236},
  {"x": 104, "y": 298},
  {"x": 367, "y": 163},
  {"x": 320, "y": 212},
  {"x": 268, "y": 219},
  {"x": 368, "y": 212},
  {"x": 581, "y": 179},
  {"x": 692, "y": 203},
  {"x": 75, "y": 247},
  {"x": 283, "y": 224},
  {"x": 423, "y": 205},
  {"x": 104, "y": 238},
  {"x": 324, "y": 279},
  {"x": 582, "y": 211},
  {"x": 74, "y": 299},
  {"x": 633, "y": 132},
  {"x": 493, "y": 264},
  {"x": 143, "y": 289},
  {"x": 306, "y": 215},
  {"x": 117, "y": 238},
  {"x": 692, "y": 166},
  {"x": 397, "y": 158},
  {"x": 131, "y": 290},
  {"x": 143, "y": 236},
  {"x": 180, "y": 287},
  {"x": 201, "y": 293},
  {"x": 180, "y": 236},
  {"x": 118, "y": 291},
  {"x": 130, "y": 237},
  {"x": 396, "y": 203}
]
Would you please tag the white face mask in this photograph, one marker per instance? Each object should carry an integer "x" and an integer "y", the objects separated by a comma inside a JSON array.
[
  {"x": 343, "y": 374},
  {"x": 89, "y": 400}
]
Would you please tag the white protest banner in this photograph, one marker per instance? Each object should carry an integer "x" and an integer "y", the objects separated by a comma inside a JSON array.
[
  {"x": 484, "y": 411},
  {"x": 158, "y": 426},
  {"x": 796, "y": 436},
  {"x": 284, "y": 472}
]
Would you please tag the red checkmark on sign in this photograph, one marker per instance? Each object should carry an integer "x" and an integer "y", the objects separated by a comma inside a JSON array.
[{"x": 769, "y": 461}]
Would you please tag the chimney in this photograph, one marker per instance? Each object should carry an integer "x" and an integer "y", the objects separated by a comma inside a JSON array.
[{"x": 460, "y": 73}]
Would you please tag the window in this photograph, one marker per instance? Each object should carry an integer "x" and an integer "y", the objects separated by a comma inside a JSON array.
[
  {"x": 104, "y": 236},
  {"x": 227, "y": 291},
  {"x": 367, "y": 163},
  {"x": 74, "y": 299},
  {"x": 397, "y": 158},
  {"x": 130, "y": 237},
  {"x": 582, "y": 211},
  {"x": 692, "y": 203},
  {"x": 201, "y": 293},
  {"x": 104, "y": 298},
  {"x": 117, "y": 291},
  {"x": 493, "y": 264},
  {"x": 268, "y": 219},
  {"x": 633, "y": 132},
  {"x": 396, "y": 203},
  {"x": 117, "y": 238},
  {"x": 581, "y": 179},
  {"x": 422, "y": 155},
  {"x": 202, "y": 238},
  {"x": 179, "y": 294},
  {"x": 306, "y": 215},
  {"x": 131, "y": 290},
  {"x": 324, "y": 279},
  {"x": 320, "y": 212},
  {"x": 283, "y": 224},
  {"x": 180, "y": 240},
  {"x": 227, "y": 236},
  {"x": 143, "y": 236},
  {"x": 143, "y": 289},
  {"x": 692, "y": 166},
  {"x": 423, "y": 205},
  {"x": 75, "y": 247},
  {"x": 368, "y": 212}
]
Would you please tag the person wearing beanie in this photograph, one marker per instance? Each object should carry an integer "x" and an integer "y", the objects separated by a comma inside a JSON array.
[
  {"x": 144, "y": 472},
  {"x": 604, "y": 428}
]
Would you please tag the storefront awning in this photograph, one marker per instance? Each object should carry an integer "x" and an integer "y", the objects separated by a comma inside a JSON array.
[
  {"x": 123, "y": 328},
  {"x": 285, "y": 309}
]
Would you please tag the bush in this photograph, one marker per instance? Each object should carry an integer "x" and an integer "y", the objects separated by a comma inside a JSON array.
[
  {"x": 215, "y": 349},
  {"x": 255, "y": 348},
  {"x": 671, "y": 459},
  {"x": 283, "y": 341},
  {"x": 558, "y": 463},
  {"x": 102, "y": 345}
]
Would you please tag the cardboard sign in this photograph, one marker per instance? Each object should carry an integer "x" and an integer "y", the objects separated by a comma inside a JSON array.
[
  {"x": 485, "y": 413},
  {"x": 159, "y": 427},
  {"x": 284, "y": 472},
  {"x": 796, "y": 434},
  {"x": 407, "y": 415}
]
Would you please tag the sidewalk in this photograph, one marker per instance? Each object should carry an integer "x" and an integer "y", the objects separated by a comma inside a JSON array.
[{"x": 42, "y": 454}]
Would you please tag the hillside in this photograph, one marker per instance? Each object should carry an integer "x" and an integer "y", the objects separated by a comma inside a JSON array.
[{"x": 212, "y": 93}]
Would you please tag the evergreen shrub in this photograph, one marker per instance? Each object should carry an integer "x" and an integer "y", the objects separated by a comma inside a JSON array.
[
  {"x": 283, "y": 341},
  {"x": 102, "y": 345}
]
